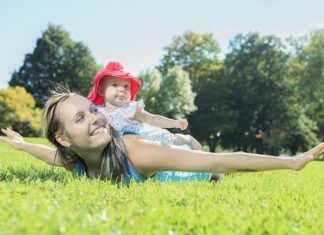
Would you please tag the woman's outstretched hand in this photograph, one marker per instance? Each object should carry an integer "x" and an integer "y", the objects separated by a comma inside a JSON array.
[
  {"x": 12, "y": 138},
  {"x": 39, "y": 151},
  {"x": 301, "y": 161}
]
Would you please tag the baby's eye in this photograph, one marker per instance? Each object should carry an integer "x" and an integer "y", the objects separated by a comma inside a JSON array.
[
  {"x": 126, "y": 86},
  {"x": 114, "y": 84}
]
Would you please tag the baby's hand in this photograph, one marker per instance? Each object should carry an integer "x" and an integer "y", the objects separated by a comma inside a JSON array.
[{"x": 182, "y": 124}]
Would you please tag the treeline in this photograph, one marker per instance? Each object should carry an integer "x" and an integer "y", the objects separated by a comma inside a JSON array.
[{"x": 265, "y": 95}]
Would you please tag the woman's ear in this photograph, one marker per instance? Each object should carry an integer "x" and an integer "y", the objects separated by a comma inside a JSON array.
[{"x": 62, "y": 140}]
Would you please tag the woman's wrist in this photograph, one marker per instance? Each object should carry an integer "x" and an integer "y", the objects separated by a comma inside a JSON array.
[
  {"x": 21, "y": 145},
  {"x": 297, "y": 163},
  {"x": 290, "y": 163}
]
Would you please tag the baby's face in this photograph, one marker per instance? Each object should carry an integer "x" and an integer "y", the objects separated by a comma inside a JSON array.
[{"x": 116, "y": 91}]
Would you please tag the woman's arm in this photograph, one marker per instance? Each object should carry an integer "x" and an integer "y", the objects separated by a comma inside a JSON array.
[
  {"x": 149, "y": 157},
  {"x": 158, "y": 120},
  {"x": 41, "y": 152}
]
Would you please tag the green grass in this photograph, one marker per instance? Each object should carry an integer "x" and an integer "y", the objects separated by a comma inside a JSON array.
[{"x": 36, "y": 199}]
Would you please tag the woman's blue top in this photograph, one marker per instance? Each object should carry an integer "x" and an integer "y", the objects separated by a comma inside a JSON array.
[{"x": 161, "y": 176}]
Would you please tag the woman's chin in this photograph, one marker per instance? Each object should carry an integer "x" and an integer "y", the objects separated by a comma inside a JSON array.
[{"x": 101, "y": 139}]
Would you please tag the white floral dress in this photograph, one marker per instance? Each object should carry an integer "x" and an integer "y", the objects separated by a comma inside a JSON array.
[{"x": 122, "y": 119}]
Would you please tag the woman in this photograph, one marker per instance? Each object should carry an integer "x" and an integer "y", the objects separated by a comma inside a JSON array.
[{"x": 85, "y": 142}]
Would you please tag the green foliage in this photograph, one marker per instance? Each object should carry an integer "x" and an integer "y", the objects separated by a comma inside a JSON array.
[
  {"x": 262, "y": 95},
  {"x": 176, "y": 93},
  {"x": 195, "y": 53},
  {"x": 198, "y": 55},
  {"x": 55, "y": 59},
  {"x": 149, "y": 93},
  {"x": 18, "y": 111},
  {"x": 38, "y": 199},
  {"x": 300, "y": 130},
  {"x": 214, "y": 115},
  {"x": 171, "y": 95},
  {"x": 307, "y": 67}
]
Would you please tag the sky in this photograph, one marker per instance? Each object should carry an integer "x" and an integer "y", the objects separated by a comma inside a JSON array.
[{"x": 135, "y": 32}]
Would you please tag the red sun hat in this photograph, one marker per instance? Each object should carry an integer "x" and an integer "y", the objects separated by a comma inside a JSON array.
[{"x": 113, "y": 69}]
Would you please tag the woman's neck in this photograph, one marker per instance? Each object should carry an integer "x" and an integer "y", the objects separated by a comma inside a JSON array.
[{"x": 93, "y": 160}]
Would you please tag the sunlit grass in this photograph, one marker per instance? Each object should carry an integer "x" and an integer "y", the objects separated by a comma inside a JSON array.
[{"x": 37, "y": 199}]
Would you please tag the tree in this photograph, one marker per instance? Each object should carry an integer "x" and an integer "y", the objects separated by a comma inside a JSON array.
[
  {"x": 55, "y": 59},
  {"x": 170, "y": 95},
  {"x": 18, "y": 111},
  {"x": 263, "y": 96},
  {"x": 176, "y": 96},
  {"x": 300, "y": 130},
  {"x": 214, "y": 115},
  {"x": 198, "y": 54},
  {"x": 149, "y": 93},
  {"x": 307, "y": 67}
]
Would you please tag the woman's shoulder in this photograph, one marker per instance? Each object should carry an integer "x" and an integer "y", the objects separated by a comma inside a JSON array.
[
  {"x": 130, "y": 137},
  {"x": 139, "y": 151},
  {"x": 141, "y": 147},
  {"x": 132, "y": 140}
]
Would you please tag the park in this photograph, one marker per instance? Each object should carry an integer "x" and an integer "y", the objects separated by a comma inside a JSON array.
[{"x": 262, "y": 95}]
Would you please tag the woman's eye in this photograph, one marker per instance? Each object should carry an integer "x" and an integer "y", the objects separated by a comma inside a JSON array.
[
  {"x": 94, "y": 110},
  {"x": 79, "y": 118}
]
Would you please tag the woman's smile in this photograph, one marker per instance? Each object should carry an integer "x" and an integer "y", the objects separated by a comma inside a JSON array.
[{"x": 99, "y": 130}]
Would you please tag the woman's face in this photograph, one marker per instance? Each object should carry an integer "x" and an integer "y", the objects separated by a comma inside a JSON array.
[{"x": 85, "y": 128}]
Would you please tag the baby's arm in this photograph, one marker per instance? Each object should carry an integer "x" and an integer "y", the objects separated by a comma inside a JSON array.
[
  {"x": 41, "y": 152},
  {"x": 158, "y": 120}
]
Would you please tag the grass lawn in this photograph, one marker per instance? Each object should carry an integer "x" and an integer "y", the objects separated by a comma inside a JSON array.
[{"x": 37, "y": 199}]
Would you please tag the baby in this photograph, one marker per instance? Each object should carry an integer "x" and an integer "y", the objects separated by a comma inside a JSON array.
[{"x": 114, "y": 93}]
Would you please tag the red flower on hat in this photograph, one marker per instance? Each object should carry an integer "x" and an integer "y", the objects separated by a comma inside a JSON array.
[{"x": 114, "y": 65}]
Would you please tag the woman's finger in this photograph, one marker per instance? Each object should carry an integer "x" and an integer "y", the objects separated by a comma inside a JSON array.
[
  {"x": 6, "y": 132},
  {"x": 14, "y": 133},
  {"x": 5, "y": 140},
  {"x": 10, "y": 133}
]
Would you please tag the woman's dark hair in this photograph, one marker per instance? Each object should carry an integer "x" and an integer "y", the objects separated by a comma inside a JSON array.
[{"x": 114, "y": 158}]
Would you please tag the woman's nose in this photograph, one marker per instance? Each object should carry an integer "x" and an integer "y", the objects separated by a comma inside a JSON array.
[{"x": 94, "y": 118}]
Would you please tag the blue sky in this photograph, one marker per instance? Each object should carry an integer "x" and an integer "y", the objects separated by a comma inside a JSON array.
[{"x": 136, "y": 31}]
